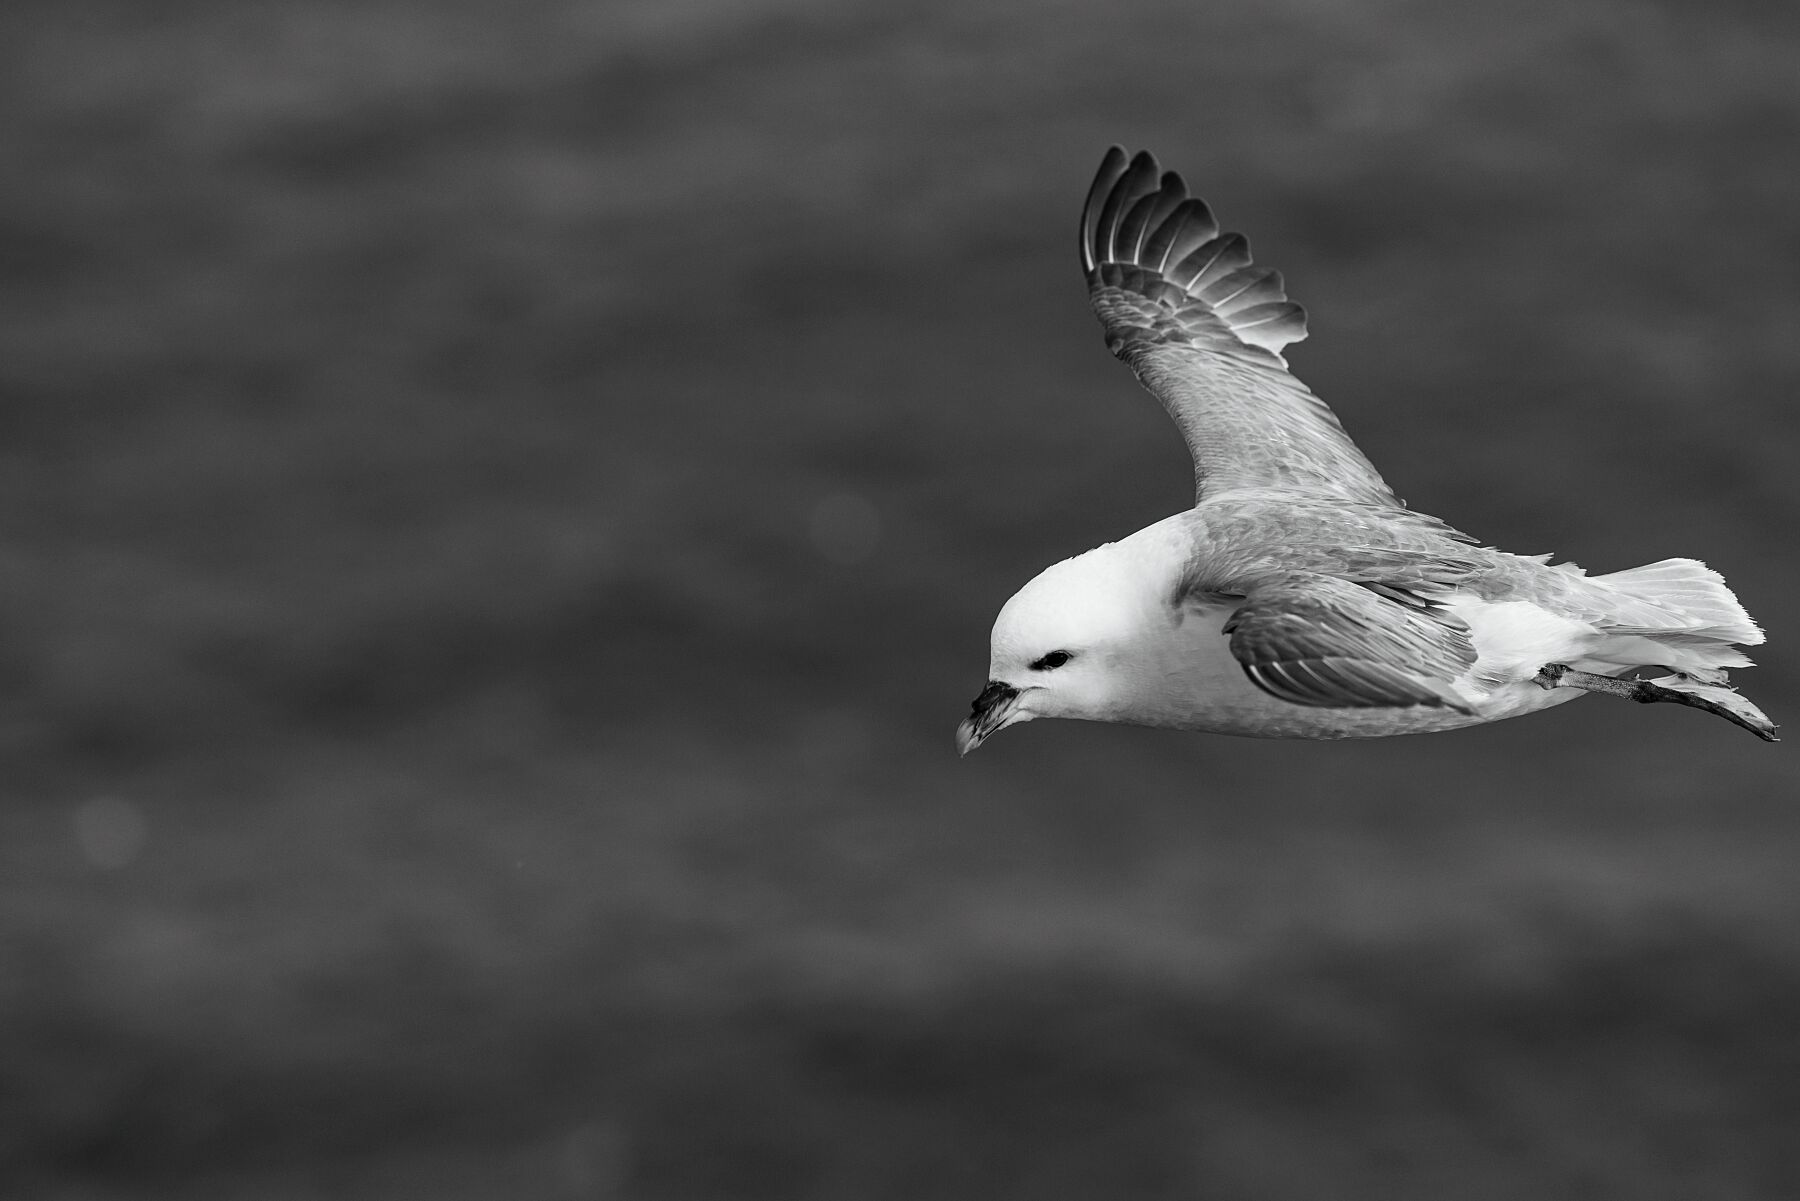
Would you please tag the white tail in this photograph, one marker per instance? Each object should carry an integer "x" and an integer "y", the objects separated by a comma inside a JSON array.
[{"x": 1690, "y": 590}]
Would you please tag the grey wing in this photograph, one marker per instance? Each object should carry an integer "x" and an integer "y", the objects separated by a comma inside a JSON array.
[
  {"x": 1317, "y": 640},
  {"x": 1203, "y": 330}
]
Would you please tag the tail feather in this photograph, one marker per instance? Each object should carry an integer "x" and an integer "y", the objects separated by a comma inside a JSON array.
[{"x": 1690, "y": 590}]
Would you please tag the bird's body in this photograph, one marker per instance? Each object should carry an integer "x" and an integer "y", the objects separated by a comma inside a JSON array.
[{"x": 1300, "y": 598}]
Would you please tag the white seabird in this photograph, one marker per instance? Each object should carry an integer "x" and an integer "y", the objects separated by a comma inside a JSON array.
[{"x": 1299, "y": 598}]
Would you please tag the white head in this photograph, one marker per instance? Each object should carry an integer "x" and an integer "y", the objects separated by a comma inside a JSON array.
[{"x": 1071, "y": 643}]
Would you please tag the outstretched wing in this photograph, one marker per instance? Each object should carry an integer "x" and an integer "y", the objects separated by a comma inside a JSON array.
[
  {"x": 1318, "y": 640},
  {"x": 1203, "y": 329}
]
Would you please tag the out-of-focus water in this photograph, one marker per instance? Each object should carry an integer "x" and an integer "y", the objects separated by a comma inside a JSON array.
[{"x": 504, "y": 505}]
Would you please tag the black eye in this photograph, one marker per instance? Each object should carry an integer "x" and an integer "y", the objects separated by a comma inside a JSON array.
[{"x": 1052, "y": 660}]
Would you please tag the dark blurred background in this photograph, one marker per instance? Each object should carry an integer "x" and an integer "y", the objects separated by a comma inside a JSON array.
[{"x": 503, "y": 509}]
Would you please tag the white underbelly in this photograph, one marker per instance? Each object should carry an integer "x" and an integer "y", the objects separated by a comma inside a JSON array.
[{"x": 1202, "y": 686}]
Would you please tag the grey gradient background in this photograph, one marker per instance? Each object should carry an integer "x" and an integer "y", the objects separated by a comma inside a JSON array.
[{"x": 503, "y": 507}]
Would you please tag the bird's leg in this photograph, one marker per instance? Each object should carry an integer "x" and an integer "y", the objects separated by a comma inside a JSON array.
[{"x": 1561, "y": 675}]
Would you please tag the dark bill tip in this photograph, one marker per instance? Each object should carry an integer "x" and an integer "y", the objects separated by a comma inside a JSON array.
[{"x": 991, "y": 710}]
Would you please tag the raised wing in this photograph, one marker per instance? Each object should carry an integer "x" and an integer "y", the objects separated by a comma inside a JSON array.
[
  {"x": 1203, "y": 329},
  {"x": 1317, "y": 640}
]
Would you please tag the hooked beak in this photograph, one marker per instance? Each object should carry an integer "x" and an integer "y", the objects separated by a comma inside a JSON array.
[{"x": 996, "y": 708}]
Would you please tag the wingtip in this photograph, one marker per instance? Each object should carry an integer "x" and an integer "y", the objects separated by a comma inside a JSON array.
[
  {"x": 1140, "y": 216},
  {"x": 1113, "y": 165}
]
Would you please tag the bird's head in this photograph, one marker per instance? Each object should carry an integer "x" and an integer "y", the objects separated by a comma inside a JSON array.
[{"x": 1063, "y": 645}]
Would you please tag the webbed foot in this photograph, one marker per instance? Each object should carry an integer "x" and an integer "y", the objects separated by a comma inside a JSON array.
[{"x": 1679, "y": 688}]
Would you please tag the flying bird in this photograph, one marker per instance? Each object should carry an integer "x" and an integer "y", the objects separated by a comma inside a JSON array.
[{"x": 1299, "y": 598}]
